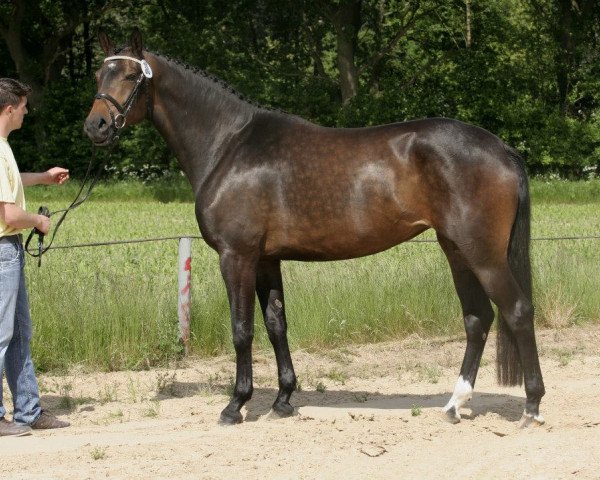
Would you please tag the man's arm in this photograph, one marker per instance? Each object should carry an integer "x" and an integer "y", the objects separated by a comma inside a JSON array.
[
  {"x": 53, "y": 176},
  {"x": 16, "y": 217}
]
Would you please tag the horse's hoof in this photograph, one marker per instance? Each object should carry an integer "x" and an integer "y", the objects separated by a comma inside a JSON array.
[
  {"x": 452, "y": 416},
  {"x": 528, "y": 420},
  {"x": 281, "y": 410},
  {"x": 230, "y": 418}
]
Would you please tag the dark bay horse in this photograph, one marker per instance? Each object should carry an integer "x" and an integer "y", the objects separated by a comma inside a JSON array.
[{"x": 271, "y": 187}]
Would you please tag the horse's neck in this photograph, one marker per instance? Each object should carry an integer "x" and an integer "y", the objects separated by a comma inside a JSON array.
[{"x": 197, "y": 118}]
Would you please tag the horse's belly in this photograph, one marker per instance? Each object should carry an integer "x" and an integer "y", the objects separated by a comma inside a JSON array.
[{"x": 336, "y": 241}]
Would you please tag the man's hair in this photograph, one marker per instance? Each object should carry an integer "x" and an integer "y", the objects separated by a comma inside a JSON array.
[{"x": 11, "y": 92}]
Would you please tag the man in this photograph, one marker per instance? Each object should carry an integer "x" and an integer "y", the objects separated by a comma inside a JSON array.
[{"x": 15, "y": 320}]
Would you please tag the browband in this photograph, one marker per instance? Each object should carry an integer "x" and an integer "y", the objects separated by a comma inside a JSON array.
[{"x": 146, "y": 70}]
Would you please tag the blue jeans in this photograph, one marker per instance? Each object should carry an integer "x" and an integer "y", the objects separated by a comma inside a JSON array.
[{"x": 15, "y": 334}]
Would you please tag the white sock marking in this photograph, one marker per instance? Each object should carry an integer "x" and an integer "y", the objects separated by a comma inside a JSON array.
[{"x": 463, "y": 391}]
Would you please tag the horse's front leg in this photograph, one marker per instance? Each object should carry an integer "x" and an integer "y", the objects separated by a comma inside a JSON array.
[
  {"x": 239, "y": 273},
  {"x": 269, "y": 288}
]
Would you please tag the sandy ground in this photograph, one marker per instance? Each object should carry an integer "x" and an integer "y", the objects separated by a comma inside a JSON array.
[{"x": 368, "y": 411}]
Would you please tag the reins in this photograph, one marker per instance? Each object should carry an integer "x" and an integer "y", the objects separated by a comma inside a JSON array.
[{"x": 43, "y": 210}]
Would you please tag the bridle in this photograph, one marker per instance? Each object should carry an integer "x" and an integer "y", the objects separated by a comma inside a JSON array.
[{"x": 119, "y": 120}]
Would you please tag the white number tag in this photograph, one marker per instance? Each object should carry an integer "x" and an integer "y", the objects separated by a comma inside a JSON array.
[{"x": 146, "y": 70}]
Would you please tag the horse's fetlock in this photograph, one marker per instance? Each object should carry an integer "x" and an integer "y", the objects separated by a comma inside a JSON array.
[
  {"x": 243, "y": 393},
  {"x": 535, "y": 389},
  {"x": 287, "y": 381}
]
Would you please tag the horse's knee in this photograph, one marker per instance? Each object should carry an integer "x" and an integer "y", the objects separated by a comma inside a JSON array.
[
  {"x": 478, "y": 326},
  {"x": 242, "y": 338}
]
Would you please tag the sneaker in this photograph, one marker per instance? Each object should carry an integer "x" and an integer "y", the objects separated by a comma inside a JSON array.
[
  {"x": 12, "y": 429},
  {"x": 46, "y": 421}
]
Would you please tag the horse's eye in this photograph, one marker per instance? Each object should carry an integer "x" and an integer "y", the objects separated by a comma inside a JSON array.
[{"x": 131, "y": 76}]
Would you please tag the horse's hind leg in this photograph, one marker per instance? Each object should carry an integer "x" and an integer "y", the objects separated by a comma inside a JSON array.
[
  {"x": 478, "y": 316},
  {"x": 516, "y": 311},
  {"x": 269, "y": 288}
]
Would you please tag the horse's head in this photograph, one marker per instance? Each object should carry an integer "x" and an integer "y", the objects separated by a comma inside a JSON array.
[{"x": 123, "y": 90}]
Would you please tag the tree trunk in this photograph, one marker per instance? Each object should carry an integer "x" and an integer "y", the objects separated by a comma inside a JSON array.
[
  {"x": 346, "y": 22},
  {"x": 11, "y": 33},
  {"x": 468, "y": 23},
  {"x": 87, "y": 49},
  {"x": 316, "y": 50},
  {"x": 564, "y": 56},
  {"x": 378, "y": 32}
]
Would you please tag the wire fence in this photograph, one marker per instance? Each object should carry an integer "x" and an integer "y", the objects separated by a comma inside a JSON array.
[
  {"x": 199, "y": 237},
  {"x": 184, "y": 269}
]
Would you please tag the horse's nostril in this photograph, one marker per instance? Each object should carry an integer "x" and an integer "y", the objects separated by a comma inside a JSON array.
[{"x": 96, "y": 128}]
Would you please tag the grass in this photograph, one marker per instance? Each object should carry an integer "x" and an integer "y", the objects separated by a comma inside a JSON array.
[
  {"x": 98, "y": 452},
  {"x": 177, "y": 189},
  {"x": 112, "y": 308},
  {"x": 564, "y": 191},
  {"x": 152, "y": 410}
]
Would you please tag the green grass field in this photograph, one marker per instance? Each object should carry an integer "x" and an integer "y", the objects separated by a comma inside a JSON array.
[{"x": 115, "y": 307}]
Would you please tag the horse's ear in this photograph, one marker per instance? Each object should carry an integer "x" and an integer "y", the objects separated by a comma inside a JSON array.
[
  {"x": 136, "y": 43},
  {"x": 105, "y": 43}
]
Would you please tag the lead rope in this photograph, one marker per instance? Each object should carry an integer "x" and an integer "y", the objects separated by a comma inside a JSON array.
[{"x": 43, "y": 210}]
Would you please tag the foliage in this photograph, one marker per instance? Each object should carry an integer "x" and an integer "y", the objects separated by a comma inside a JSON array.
[{"x": 527, "y": 71}]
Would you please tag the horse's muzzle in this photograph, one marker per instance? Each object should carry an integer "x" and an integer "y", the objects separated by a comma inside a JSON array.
[{"x": 99, "y": 130}]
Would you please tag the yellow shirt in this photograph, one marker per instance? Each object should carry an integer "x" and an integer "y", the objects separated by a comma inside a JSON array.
[{"x": 11, "y": 186}]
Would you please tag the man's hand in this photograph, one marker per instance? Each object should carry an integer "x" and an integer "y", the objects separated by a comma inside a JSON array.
[
  {"x": 42, "y": 224},
  {"x": 57, "y": 175},
  {"x": 18, "y": 218}
]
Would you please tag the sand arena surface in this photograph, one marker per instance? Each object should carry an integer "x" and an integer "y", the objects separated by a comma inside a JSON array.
[{"x": 369, "y": 411}]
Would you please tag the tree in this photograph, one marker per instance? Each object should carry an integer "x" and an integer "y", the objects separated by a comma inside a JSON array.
[
  {"x": 574, "y": 27},
  {"x": 39, "y": 36},
  {"x": 385, "y": 23},
  {"x": 528, "y": 71}
]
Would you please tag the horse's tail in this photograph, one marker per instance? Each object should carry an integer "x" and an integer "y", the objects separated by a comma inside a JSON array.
[{"x": 509, "y": 369}]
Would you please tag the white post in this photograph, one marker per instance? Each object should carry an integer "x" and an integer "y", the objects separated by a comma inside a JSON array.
[{"x": 184, "y": 297}]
